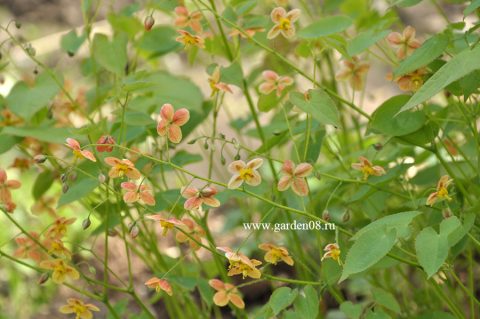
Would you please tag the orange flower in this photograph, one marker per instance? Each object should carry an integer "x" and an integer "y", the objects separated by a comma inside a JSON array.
[
  {"x": 22, "y": 164},
  {"x": 122, "y": 168},
  {"x": 79, "y": 308},
  {"x": 442, "y": 191},
  {"x": 226, "y": 293},
  {"x": 165, "y": 223},
  {"x": 241, "y": 264},
  {"x": 56, "y": 247},
  {"x": 411, "y": 81},
  {"x": 61, "y": 271},
  {"x": 196, "y": 197},
  {"x": 245, "y": 173},
  {"x": 274, "y": 82},
  {"x": 77, "y": 151},
  {"x": 216, "y": 85},
  {"x": 194, "y": 231},
  {"x": 28, "y": 248},
  {"x": 159, "y": 284},
  {"x": 185, "y": 19},
  {"x": 188, "y": 39},
  {"x": 332, "y": 251},
  {"x": 106, "y": 142},
  {"x": 170, "y": 122},
  {"x": 44, "y": 204},
  {"x": 276, "y": 253},
  {"x": 59, "y": 228},
  {"x": 354, "y": 71},
  {"x": 405, "y": 42},
  {"x": 295, "y": 177},
  {"x": 284, "y": 22},
  {"x": 367, "y": 168},
  {"x": 136, "y": 193},
  {"x": 5, "y": 187}
]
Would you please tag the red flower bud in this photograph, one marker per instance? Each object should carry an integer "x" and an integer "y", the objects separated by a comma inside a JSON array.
[
  {"x": 106, "y": 142},
  {"x": 148, "y": 23}
]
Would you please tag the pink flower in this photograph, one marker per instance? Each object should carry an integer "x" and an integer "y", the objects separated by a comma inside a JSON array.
[
  {"x": 405, "y": 42},
  {"x": 274, "y": 82},
  {"x": 354, "y": 71},
  {"x": 295, "y": 177},
  {"x": 284, "y": 22},
  {"x": 136, "y": 193},
  {"x": 186, "y": 19},
  {"x": 245, "y": 173},
  {"x": 188, "y": 39},
  {"x": 216, "y": 85},
  {"x": 159, "y": 284},
  {"x": 77, "y": 151},
  {"x": 6, "y": 186},
  {"x": 226, "y": 293},
  {"x": 106, "y": 142},
  {"x": 165, "y": 223},
  {"x": 241, "y": 264},
  {"x": 332, "y": 251},
  {"x": 367, "y": 168},
  {"x": 194, "y": 231},
  {"x": 195, "y": 197},
  {"x": 122, "y": 168},
  {"x": 171, "y": 121}
]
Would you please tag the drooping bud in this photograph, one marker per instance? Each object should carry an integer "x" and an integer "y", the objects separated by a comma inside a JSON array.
[
  {"x": 134, "y": 231},
  {"x": 65, "y": 188},
  {"x": 346, "y": 216},
  {"x": 378, "y": 146},
  {"x": 43, "y": 278},
  {"x": 326, "y": 215},
  {"x": 18, "y": 25},
  {"x": 102, "y": 178},
  {"x": 148, "y": 23},
  {"x": 237, "y": 157},
  {"x": 39, "y": 159},
  {"x": 86, "y": 223}
]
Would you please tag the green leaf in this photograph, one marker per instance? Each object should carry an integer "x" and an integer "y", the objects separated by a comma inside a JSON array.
[
  {"x": 159, "y": 41},
  {"x": 386, "y": 299},
  {"x": 398, "y": 221},
  {"x": 25, "y": 101},
  {"x": 459, "y": 66},
  {"x": 78, "y": 190},
  {"x": 368, "y": 249},
  {"x": 267, "y": 102},
  {"x": 325, "y": 26},
  {"x": 42, "y": 183},
  {"x": 364, "y": 40},
  {"x": 449, "y": 227},
  {"x": 206, "y": 292},
  {"x": 314, "y": 145},
  {"x": 352, "y": 311},
  {"x": 407, "y": 3},
  {"x": 423, "y": 136},
  {"x": 138, "y": 119},
  {"x": 307, "y": 303},
  {"x": 386, "y": 119},
  {"x": 182, "y": 158},
  {"x": 71, "y": 42},
  {"x": 429, "y": 51},
  {"x": 112, "y": 55},
  {"x": 432, "y": 250},
  {"x": 319, "y": 105},
  {"x": 281, "y": 298},
  {"x": 8, "y": 142},
  {"x": 44, "y": 134},
  {"x": 474, "y": 5}
]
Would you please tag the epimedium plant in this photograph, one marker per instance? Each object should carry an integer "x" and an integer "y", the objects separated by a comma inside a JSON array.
[{"x": 116, "y": 146}]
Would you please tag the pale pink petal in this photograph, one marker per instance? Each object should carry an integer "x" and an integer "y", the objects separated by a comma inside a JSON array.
[
  {"x": 255, "y": 180},
  {"x": 162, "y": 128},
  {"x": 147, "y": 198},
  {"x": 88, "y": 155},
  {"x": 277, "y": 14},
  {"x": 181, "y": 117},
  {"x": 193, "y": 203},
  {"x": 270, "y": 75},
  {"x": 13, "y": 184},
  {"x": 285, "y": 81},
  {"x": 210, "y": 201},
  {"x": 273, "y": 33},
  {"x": 303, "y": 170},
  {"x": 288, "y": 33},
  {"x": 181, "y": 11},
  {"x": 300, "y": 187},
  {"x": 293, "y": 15},
  {"x": 5, "y": 196},
  {"x": 255, "y": 163},
  {"x": 235, "y": 182},
  {"x": 409, "y": 33},
  {"x": 220, "y": 298},
  {"x": 189, "y": 192},
  {"x": 236, "y": 166},
  {"x": 129, "y": 186},
  {"x": 284, "y": 183},
  {"x": 130, "y": 197},
  {"x": 112, "y": 161},
  {"x": 216, "y": 284},
  {"x": 288, "y": 167},
  {"x": 267, "y": 87},
  {"x": 3, "y": 176},
  {"x": 166, "y": 112},
  {"x": 174, "y": 133},
  {"x": 237, "y": 301},
  {"x": 73, "y": 144},
  {"x": 394, "y": 38}
]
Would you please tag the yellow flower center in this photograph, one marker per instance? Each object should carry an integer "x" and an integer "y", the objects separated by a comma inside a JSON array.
[
  {"x": 79, "y": 308},
  {"x": 77, "y": 153},
  {"x": 417, "y": 82},
  {"x": 367, "y": 171},
  {"x": 285, "y": 24},
  {"x": 189, "y": 40},
  {"x": 122, "y": 168},
  {"x": 443, "y": 193},
  {"x": 246, "y": 173}
]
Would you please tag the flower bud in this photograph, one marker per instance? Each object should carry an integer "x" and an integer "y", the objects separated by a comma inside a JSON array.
[
  {"x": 134, "y": 231},
  {"x": 65, "y": 188},
  {"x": 223, "y": 160},
  {"x": 64, "y": 177},
  {"x": 112, "y": 232},
  {"x": 447, "y": 213},
  {"x": 106, "y": 142},
  {"x": 237, "y": 157},
  {"x": 205, "y": 145},
  {"x": 86, "y": 223},
  {"x": 72, "y": 176},
  {"x": 39, "y": 159},
  {"x": 148, "y": 23},
  {"x": 18, "y": 25},
  {"x": 43, "y": 278},
  {"x": 326, "y": 215},
  {"x": 378, "y": 146},
  {"x": 101, "y": 178},
  {"x": 346, "y": 216}
]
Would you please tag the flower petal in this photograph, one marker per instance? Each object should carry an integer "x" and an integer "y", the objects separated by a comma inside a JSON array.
[
  {"x": 235, "y": 182},
  {"x": 255, "y": 163},
  {"x": 73, "y": 143},
  {"x": 303, "y": 170},
  {"x": 237, "y": 301},
  {"x": 211, "y": 201},
  {"x": 216, "y": 284},
  {"x": 220, "y": 298},
  {"x": 235, "y": 166},
  {"x": 189, "y": 192},
  {"x": 255, "y": 180},
  {"x": 166, "y": 112},
  {"x": 300, "y": 186},
  {"x": 112, "y": 161},
  {"x": 277, "y": 14},
  {"x": 174, "y": 133},
  {"x": 293, "y": 15},
  {"x": 284, "y": 183},
  {"x": 181, "y": 117},
  {"x": 13, "y": 184},
  {"x": 88, "y": 155},
  {"x": 274, "y": 32}
]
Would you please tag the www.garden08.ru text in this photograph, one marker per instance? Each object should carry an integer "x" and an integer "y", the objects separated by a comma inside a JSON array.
[{"x": 277, "y": 227}]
